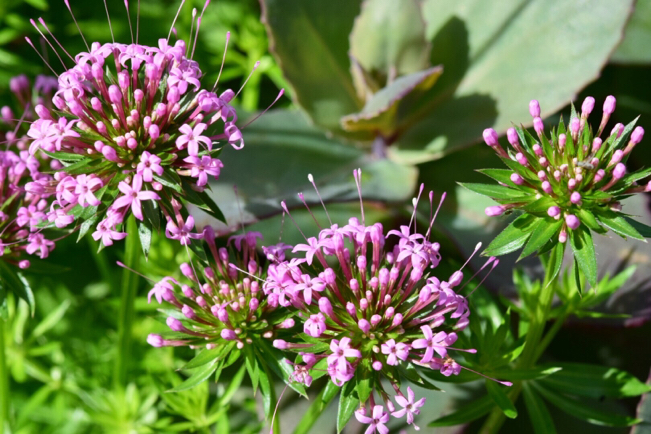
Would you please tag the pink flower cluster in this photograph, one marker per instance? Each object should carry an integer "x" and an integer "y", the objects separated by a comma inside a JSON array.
[
  {"x": 137, "y": 127},
  {"x": 369, "y": 308},
  {"x": 225, "y": 304},
  {"x": 22, "y": 213}
]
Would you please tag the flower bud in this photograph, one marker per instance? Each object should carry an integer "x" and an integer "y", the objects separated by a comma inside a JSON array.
[
  {"x": 534, "y": 108},
  {"x": 609, "y": 105},
  {"x": 517, "y": 179},
  {"x": 512, "y": 136},
  {"x": 115, "y": 96},
  {"x": 490, "y": 137},
  {"x": 553, "y": 211},
  {"x": 575, "y": 197},
  {"x": 587, "y": 107},
  {"x": 572, "y": 221}
]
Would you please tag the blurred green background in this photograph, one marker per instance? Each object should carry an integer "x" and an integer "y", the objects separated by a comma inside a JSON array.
[{"x": 361, "y": 90}]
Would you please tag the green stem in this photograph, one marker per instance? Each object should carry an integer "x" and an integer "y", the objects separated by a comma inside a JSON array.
[
  {"x": 127, "y": 302},
  {"x": 4, "y": 382},
  {"x": 531, "y": 351},
  {"x": 544, "y": 343}
]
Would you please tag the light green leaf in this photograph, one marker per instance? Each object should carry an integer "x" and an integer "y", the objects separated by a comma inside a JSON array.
[
  {"x": 199, "y": 376},
  {"x": 388, "y": 39},
  {"x": 496, "y": 191},
  {"x": 544, "y": 231},
  {"x": 392, "y": 108},
  {"x": 619, "y": 225},
  {"x": 309, "y": 39},
  {"x": 513, "y": 237},
  {"x": 51, "y": 319},
  {"x": 636, "y": 46},
  {"x": 501, "y": 56}
]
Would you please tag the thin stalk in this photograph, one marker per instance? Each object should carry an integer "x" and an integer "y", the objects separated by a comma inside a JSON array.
[
  {"x": 4, "y": 382},
  {"x": 127, "y": 302},
  {"x": 531, "y": 351},
  {"x": 544, "y": 343}
]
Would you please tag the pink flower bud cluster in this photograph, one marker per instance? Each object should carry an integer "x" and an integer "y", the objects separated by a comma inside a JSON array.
[
  {"x": 23, "y": 212},
  {"x": 136, "y": 125},
  {"x": 571, "y": 169},
  {"x": 369, "y": 304},
  {"x": 224, "y": 301}
]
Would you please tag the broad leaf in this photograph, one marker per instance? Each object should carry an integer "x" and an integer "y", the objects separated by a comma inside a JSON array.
[{"x": 636, "y": 46}]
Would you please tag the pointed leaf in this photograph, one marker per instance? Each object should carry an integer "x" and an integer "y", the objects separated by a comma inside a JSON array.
[
  {"x": 496, "y": 191},
  {"x": 543, "y": 232},
  {"x": 619, "y": 225},
  {"x": 348, "y": 403},
  {"x": 320, "y": 403},
  {"x": 467, "y": 413},
  {"x": 497, "y": 394},
  {"x": 199, "y": 376},
  {"x": 540, "y": 418},
  {"x": 513, "y": 236},
  {"x": 584, "y": 253}
]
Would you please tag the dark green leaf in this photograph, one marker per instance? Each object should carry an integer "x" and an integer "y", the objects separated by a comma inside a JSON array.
[
  {"x": 348, "y": 403},
  {"x": 496, "y": 191},
  {"x": 584, "y": 253},
  {"x": 555, "y": 262},
  {"x": 12, "y": 280},
  {"x": 619, "y": 225},
  {"x": 544, "y": 231},
  {"x": 144, "y": 232},
  {"x": 524, "y": 374},
  {"x": 513, "y": 236},
  {"x": 497, "y": 394},
  {"x": 577, "y": 409},
  {"x": 595, "y": 381},
  {"x": 540, "y": 418},
  {"x": 467, "y": 413},
  {"x": 199, "y": 376},
  {"x": 643, "y": 229}
]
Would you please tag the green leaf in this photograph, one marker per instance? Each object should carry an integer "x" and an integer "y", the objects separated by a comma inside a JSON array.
[
  {"x": 584, "y": 253},
  {"x": 467, "y": 413},
  {"x": 540, "y": 418},
  {"x": 388, "y": 39},
  {"x": 316, "y": 63},
  {"x": 513, "y": 236},
  {"x": 199, "y": 376},
  {"x": 543, "y": 232},
  {"x": 144, "y": 233},
  {"x": 364, "y": 384},
  {"x": 86, "y": 226},
  {"x": 555, "y": 262},
  {"x": 207, "y": 356},
  {"x": 325, "y": 396},
  {"x": 496, "y": 191},
  {"x": 485, "y": 87},
  {"x": 348, "y": 403},
  {"x": 618, "y": 224},
  {"x": 65, "y": 156},
  {"x": 595, "y": 381},
  {"x": 51, "y": 319},
  {"x": 635, "y": 48},
  {"x": 643, "y": 229},
  {"x": 12, "y": 280},
  {"x": 524, "y": 374},
  {"x": 502, "y": 400},
  {"x": 390, "y": 110},
  {"x": 576, "y": 409},
  {"x": 499, "y": 175}
]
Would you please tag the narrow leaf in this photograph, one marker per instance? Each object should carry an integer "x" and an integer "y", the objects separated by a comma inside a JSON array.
[
  {"x": 197, "y": 377},
  {"x": 467, "y": 413},
  {"x": 584, "y": 253},
  {"x": 497, "y": 394},
  {"x": 540, "y": 418},
  {"x": 512, "y": 237},
  {"x": 348, "y": 403}
]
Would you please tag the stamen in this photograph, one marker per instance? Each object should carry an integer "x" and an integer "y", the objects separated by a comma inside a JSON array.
[
  {"x": 282, "y": 91},
  {"x": 29, "y": 41},
  {"x": 194, "y": 15},
  {"x": 302, "y": 197},
  {"x": 311, "y": 179},
  {"x": 247, "y": 78},
  {"x": 432, "y": 219},
  {"x": 42, "y": 21},
  {"x": 175, "y": 18},
  {"x": 505, "y": 383},
  {"x": 284, "y": 206},
  {"x": 495, "y": 264},
  {"x": 76, "y": 24},
  {"x": 228, "y": 37},
  {"x": 126, "y": 5},
  {"x": 357, "y": 174},
  {"x": 33, "y": 23},
  {"x": 137, "y": 21},
  {"x": 273, "y": 419},
  {"x": 415, "y": 203},
  {"x": 109, "y": 21},
  {"x": 196, "y": 36},
  {"x": 120, "y": 264}
]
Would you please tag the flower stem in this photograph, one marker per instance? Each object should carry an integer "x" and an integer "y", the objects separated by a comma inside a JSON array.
[
  {"x": 4, "y": 382},
  {"x": 127, "y": 302},
  {"x": 531, "y": 352}
]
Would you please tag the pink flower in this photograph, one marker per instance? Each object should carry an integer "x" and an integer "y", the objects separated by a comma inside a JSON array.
[
  {"x": 203, "y": 167},
  {"x": 409, "y": 407},
  {"x": 149, "y": 164},
  {"x": 161, "y": 288},
  {"x": 37, "y": 242},
  {"x": 315, "y": 325},
  {"x": 183, "y": 233},
  {"x": 86, "y": 184},
  {"x": 376, "y": 422},
  {"x": 191, "y": 138},
  {"x": 133, "y": 195},
  {"x": 308, "y": 284},
  {"x": 395, "y": 351},
  {"x": 29, "y": 215},
  {"x": 341, "y": 350},
  {"x": 107, "y": 234},
  {"x": 431, "y": 343},
  {"x": 42, "y": 132},
  {"x": 311, "y": 248}
]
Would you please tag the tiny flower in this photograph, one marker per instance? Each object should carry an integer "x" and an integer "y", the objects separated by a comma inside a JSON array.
[
  {"x": 376, "y": 422},
  {"x": 133, "y": 195},
  {"x": 410, "y": 408}
]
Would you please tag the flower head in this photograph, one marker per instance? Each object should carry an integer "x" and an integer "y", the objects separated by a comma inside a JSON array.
[
  {"x": 376, "y": 308},
  {"x": 139, "y": 121},
  {"x": 567, "y": 182}
]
